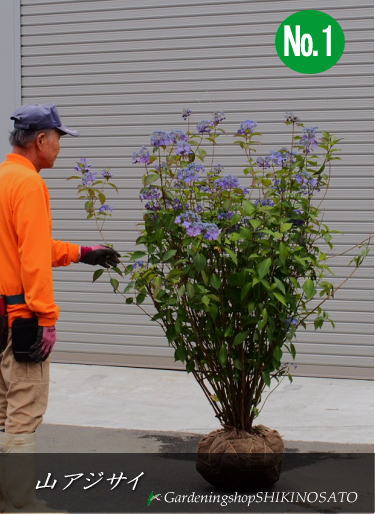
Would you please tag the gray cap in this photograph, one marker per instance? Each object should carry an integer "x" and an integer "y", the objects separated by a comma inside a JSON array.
[{"x": 39, "y": 117}]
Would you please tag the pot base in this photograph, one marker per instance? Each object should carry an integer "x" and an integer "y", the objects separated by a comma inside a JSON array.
[{"x": 233, "y": 458}]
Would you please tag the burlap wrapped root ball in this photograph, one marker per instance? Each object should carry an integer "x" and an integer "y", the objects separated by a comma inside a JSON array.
[{"x": 232, "y": 458}]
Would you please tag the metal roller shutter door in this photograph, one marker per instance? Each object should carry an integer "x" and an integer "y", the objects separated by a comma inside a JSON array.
[{"x": 119, "y": 69}]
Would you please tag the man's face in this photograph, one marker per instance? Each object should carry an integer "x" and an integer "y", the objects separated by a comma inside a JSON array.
[{"x": 48, "y": 146}]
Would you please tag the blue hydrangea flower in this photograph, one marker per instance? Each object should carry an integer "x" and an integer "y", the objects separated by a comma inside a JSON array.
[
  {"x": 190, "y": 173},
  {"x": 211, "y": 231},
  {"x": 306, "y": 180},
  {"x": 308, "y": 139},
  {"x": 265, "y": 202},
  {"x": 186, "y": 113},
  {"x": 227, "y": 182},
  {"x": 194, "y": 229},
  {"x": 187, "y": 218},
  {"x": 160, "y": 138},
  {"x": 154, "y": 205},
  {"x": 246, "y": 127},
  {"x": 82, "y": 165},
  {"x": 292, "y": 322},
  {"x": 106, "y": 174},
  {"x": 174, "y": 204},
  {"x": 88, "y": 178},
  {"x": 225, "y": 215},
  {"x": 150, "y": 193},
  {"x": 142, "y": 156},
  {"x": 204, "y": 127},
  {"x": 204, "y": 189},
  {"x": 298, "y": 211},
  {"x": 183, "y": 148},
  {"x": 138, "y": 264},
  {"x": 264, "y": 162},
  {"x": 218, "y": 117},
  {"x": 105, "y": 208},
  {"x": 278, "y": 158},
  {"x": 177, "y": 135},
  {"x": 276, "y": 185}
]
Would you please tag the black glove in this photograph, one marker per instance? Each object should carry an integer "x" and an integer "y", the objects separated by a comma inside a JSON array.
[{"x": 103, "y": 255}]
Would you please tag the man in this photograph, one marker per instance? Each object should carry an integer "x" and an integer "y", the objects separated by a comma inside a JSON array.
[{"x": 27, "y": 254}]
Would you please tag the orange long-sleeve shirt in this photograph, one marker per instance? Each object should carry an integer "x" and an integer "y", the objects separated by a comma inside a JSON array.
[{"x": 27, "y": 250}]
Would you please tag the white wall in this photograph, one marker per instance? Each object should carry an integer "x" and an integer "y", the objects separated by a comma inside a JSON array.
[{"x": 10, "y": 92}]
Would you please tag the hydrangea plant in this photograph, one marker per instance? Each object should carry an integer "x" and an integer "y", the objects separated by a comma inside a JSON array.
[{"x": 231, "y": 264}]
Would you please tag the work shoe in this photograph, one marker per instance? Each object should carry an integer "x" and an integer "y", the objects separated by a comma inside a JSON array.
[{"x": 18, "y": 478}]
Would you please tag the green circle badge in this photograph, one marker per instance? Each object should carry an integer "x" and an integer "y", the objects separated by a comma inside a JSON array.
[{"x": 310, "y": 41}]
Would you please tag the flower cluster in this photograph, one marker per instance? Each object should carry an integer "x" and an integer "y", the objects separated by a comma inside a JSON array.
[
  {"x": 89, "y": 178},
  {"x": 160, "y": 138},
  {"x": 308, "y": 139},
  {"x": 265, "y": 202},
  {"x": 227, "y": 182},
  {"x": 142, "y": 156},
  {"x": 306, "y": 181},
  {"x": 150, "y": 193},
  {"x": 246, "y": 127},
  {"x": 225, "y": 215},
  {"x": 186, "y": 113},
  {"x": 105, "y": 208},
  {"x": 204, "y": 127},
  {"x": 190, "y": 173},
  {"x": 218, "y": 118}
]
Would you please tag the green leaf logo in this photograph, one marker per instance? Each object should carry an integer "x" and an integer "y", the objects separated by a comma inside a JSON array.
[{"x": 153, "y": 497}]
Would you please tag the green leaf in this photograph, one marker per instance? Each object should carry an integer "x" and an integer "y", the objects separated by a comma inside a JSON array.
[
  {"x": 129, "y": 300},
  {"x": 239, "y": 339},
  {"x": 201, "y": 154},
  {"x": 190, "y": 290},
  {"x": 180, "y": 354},
  {"x": 266, "y": 378},
  {"x": 149, "y": 179},
  {"x": 245, "y": 289},
  {"x": 264, "y": 267},
  {"x": 215, "y": 281},
  {"x": 117, "y": 270},
  {"x": 140, "y": 298},
  {"x": 115, "y": 283},
  {"x": 223, "y": 355},
  {"x": 128, "y": 287},
  {"x": 137, "y": 255},
  {"x": 255, "y": 223},
  {"x": 228, "y": 331},
  {"x": 283, "y": 252},
  {"x": 205, "y": 300},
  {"x": 232, "y": 255},
  {"x": 280, "y": 297},
  {"x": 309, "y": 288},
  {"x": 264, "y": 319},
  {"x": 199, "y": 261},
  {"x": 279, "y": 284},
  {"x": 168, "y": 255},
  {"x": 98, "y": 273},
  {"x": 102, "y": 197},
  {"x": 248, "y": 207},
  {"x": 284, "y": 227}
]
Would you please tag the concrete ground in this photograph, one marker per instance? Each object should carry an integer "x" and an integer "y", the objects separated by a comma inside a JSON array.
[{"x": 120, "y": 409}]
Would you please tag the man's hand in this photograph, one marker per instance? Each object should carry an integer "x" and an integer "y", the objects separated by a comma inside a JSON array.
[
  {"x": 45, "y": 341},
  {"x": 103, "y": 255}
]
